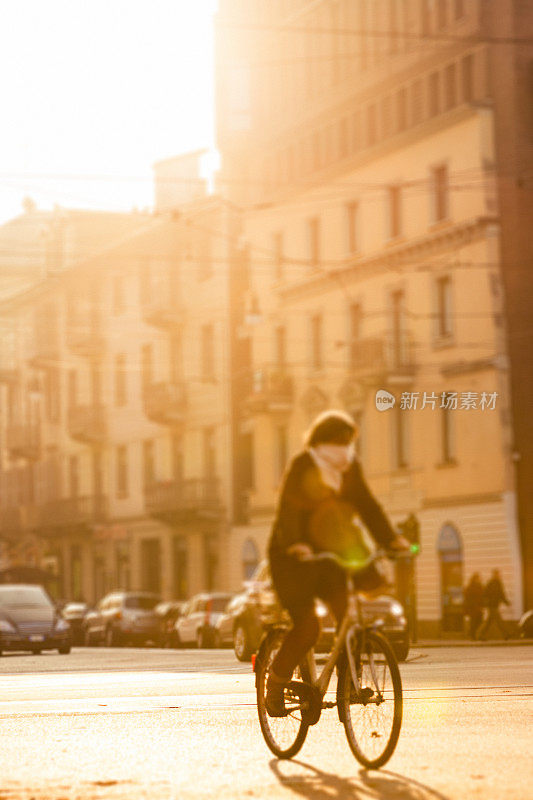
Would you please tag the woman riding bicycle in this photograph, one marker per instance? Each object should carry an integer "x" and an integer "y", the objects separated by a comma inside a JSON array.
[{"x": 323, "y": 491}]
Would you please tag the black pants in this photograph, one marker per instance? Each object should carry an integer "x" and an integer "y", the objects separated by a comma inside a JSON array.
[
  {"x": 493, "y": 616},
  {"x": 297, "y": 584}
]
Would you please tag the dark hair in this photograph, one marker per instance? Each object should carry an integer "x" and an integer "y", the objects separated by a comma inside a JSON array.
[{"x": 330, "y": 426}]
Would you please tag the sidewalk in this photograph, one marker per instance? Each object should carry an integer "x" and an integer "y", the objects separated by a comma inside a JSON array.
[{"x": 425, "y": 643}]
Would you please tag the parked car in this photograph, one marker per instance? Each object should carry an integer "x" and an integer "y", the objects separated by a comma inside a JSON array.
[
  {"x": 525, "y": 626},
  {"x": 29, "y": 620},
  {"x": 123, "y": 617},
  {"x": 197, "y": 625},
  {"x": 74, "y": 614},
  {"x": 169, "y": 611},
  {"x": 258, "y": 607}
]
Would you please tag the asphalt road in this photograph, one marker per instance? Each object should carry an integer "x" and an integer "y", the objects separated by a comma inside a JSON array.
[{"x": 173, "y": 725}]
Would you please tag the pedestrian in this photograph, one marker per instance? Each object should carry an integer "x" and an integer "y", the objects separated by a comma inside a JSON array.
[
  {"x": 473, "y": 604},
  {"x": 493, "y": 596},
  {"x": 323, "y": 489}
]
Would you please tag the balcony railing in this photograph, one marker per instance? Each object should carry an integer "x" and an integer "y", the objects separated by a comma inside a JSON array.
[
  {"x": 165, "y": 403},
  {"x": 24, "y": 441},
  {"x": 87, "y": 424},
  {"x": 80, "y": 511},
  {"x": 15, "y": 520},
  {"x": 162, "y": 311},
  {"x": 271, "y": 390},
  {"x": 84, "y": 336},
  {"x": 175, "y": 500},
  {"x": 378, "y": 360}
]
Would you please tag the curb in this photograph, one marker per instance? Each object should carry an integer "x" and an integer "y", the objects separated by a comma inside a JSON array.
[{"x": 423, "y": 644}]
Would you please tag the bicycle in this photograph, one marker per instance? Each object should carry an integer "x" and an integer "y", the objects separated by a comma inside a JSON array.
[{"x": 369, "y": 689}]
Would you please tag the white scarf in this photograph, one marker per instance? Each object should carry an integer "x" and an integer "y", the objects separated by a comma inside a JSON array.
[{"x": 333, "y": 460}]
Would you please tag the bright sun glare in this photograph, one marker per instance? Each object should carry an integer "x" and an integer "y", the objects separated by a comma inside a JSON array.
[{"x": 95, "y": 93}]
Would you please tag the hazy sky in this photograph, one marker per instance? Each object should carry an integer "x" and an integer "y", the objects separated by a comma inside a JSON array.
[{"x": 99, "y": 88}]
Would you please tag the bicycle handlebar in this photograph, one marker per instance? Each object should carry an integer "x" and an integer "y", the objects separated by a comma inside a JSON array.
[{"x": 350, "y": 566}]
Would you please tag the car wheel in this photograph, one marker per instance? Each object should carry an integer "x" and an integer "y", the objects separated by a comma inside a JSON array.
[
  {"x": 241, "y": 643},
  {"x": 36, "y": 651},
  {"x": 217, "y": 640},
  {"x": 401, "y": 649},
  {"x": 177, "y": 641},
  {"x": 64, "y": 650},
  {"x": 87, "y": 638}
]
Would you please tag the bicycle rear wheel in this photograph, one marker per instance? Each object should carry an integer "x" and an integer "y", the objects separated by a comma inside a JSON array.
[
  {"x": 283, "y": 735},
  {"x": 372, "y": 719}
]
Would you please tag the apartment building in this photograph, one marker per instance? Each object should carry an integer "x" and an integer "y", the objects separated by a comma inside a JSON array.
[
  {"x": 366, "y": 143},
  {"x": 116, "y": 411}
]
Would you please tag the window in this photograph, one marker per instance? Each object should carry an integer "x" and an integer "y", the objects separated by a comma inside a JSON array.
[
  {"x": 441, "y": 13},
  {"x": 316, "y": 342},
  {"x": 417, "y": 102},
  {"x": 74, "y": 476},
  {"x": 443, "y": 310},
  {"x": 177, "y": 457},
  {"x": 386, "y": 116},
  {"x": 398, "y": 327},
  {"x": 209, "y": 453},
  {"x": 52, "y": 394},
  {"x": 208, "y": 352},
  {"x": 440, "y": 193},
  {"x": 148, "y": 463},
  {"x": 402, "y": 109},
  {"x": 119, "y": 300},
  {"x": 399, "y": 423},
  {"x": 247, "y": 462},
  {"x": 357, "y": 136},
  {"x": 447, "y": 435},
  {"x": 313, "y": 241},
  {"x": 467, "y": 78},
  {"x": 120, "y": 380},
  {"x": 450, "y": 86},
  {"x": 282, "y": 450},
  {"x": 147, "y": 364},
  {"x": 459, "y": 9},
  {"x": 395, "y": 211},
  {"x": 176, "y": 357},
  {"x": 355, "y": 319},
  {"x": 277, "y": 246},
  {"x": 281, "y": 347},
  {"x": 425, "y": 17},
  {"x": 372, "y": 124},
  {"x": 72, "y": 388},
  {"x": 122, "y": 470},
  {"x": 250, "y": 559},
  {"x": 352, "y": 218},
  {"x": 434, "y": 91},
  {"x": 344, "y": 138}
]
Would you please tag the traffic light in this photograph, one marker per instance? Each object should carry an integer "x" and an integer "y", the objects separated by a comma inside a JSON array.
[{"x": 410, "y": 528}]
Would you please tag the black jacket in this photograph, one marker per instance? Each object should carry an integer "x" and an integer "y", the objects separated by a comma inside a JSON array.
[{"x": 307, "y": 506}]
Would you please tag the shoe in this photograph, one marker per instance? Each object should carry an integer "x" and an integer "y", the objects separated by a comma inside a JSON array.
[{"x": 275, "y": 698}]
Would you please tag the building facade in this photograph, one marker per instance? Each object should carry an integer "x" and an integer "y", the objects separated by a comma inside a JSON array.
[
  {"x": 116, "y": 412},
  {"x": 364, "y": 143}
]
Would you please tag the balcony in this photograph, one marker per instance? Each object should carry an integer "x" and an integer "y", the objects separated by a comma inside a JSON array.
[
  {"x": 272, "y": 391},
  {"x": 87, "y": 424},
  {"x": 378, "y": 360},
  {"x": 162, "y": 311},
  {"x": 46, "y": 352},
  {"x": 175, "y": 501},
  {"x": 165, "y": 403},
  {"x": 74, "y": 512},
  {"x": 84, "y": 336},
  {"x": 23, "y": 441}
]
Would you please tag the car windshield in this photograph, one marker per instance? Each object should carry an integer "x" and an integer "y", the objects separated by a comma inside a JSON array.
[
  {"x": 26, "y": 596},
  {"x": 218, "y": 604},
  {"x": 140, "y": 602}
]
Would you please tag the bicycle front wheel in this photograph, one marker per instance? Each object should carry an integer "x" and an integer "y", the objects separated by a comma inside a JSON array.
[
  {"x": 283, "y": 735},
  {"x": 373, "y": 717}
]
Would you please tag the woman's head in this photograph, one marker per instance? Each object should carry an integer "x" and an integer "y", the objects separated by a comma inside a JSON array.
[{"x": 331, "y": 427}]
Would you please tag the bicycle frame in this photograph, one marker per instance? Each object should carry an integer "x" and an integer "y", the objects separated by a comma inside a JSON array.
[{"x": 350, "y": 626}]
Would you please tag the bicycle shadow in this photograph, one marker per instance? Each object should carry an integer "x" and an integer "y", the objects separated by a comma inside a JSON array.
[{"x": 382, "y": 785}]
